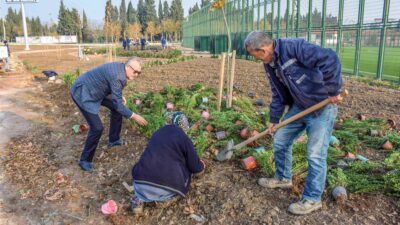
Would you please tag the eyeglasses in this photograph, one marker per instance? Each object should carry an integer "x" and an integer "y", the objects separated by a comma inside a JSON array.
[{"x": 135, "y": 71}]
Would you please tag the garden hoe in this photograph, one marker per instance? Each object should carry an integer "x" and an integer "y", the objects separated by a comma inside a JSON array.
[{"x": 227, "y": 153}]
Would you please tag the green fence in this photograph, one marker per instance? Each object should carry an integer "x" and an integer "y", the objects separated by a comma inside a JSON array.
[{"x": 364, "y": 33}]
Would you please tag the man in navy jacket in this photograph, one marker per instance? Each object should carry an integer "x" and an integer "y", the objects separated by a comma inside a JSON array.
[
  {"x": 165, "y": 169},
  {"x": 103, "y": 86},
  {"x": 301, "y": 74}
]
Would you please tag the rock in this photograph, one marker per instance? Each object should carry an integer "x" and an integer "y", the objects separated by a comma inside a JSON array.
[
  {"x": 198, "y": 218},
  {"x": 59, "y": 81}
]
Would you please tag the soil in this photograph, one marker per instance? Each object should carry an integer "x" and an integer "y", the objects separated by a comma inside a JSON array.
[{"x": 41, "y": 182}]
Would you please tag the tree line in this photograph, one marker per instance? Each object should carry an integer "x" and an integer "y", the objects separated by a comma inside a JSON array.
[{"x": 123, "y": 21}]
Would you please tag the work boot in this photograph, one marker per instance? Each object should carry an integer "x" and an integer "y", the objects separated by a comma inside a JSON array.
[
  {"x": 117, "y": 143},
  {"x": 86, "y": 166},
  {"x": 275, "y": 183},
  {"x": 136, "y": 205},
  {"x": 304, "y": 206}
]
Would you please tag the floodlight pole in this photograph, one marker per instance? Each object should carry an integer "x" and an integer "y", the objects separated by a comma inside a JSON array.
[{"x": 24, "y": 25}]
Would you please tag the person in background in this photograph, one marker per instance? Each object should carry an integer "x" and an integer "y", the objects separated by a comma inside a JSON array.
[
  {"x": 301, "y": 75},
  {"x": 7, "y": 67},
  {"x": 164, "y": 42},
  {"x": 128, "y": 43},
  {"x": 124, "y": 43},
  {"x": 165, "y": 168},
  {"x": 142, "y": 43},
  {"x": 103, "y": 86}
]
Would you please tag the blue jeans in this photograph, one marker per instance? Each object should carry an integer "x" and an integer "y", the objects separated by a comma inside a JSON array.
[
  {"x": 319, "y": 130},
  {"x": 96, "y": 129}
]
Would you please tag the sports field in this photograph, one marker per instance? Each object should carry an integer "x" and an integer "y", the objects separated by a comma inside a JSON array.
[{"x": 369, "y": 62}]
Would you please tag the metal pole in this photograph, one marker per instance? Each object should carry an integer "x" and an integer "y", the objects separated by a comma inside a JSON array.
[
  {"x": 359, "y": 36},
  {"x": 4, "y": 30},
  {"x": 309, "y": 20},
  {"x": 278, "y": 25},
  {"x": 340, "y": 32},
  {"x": 265, "y": 16},
  {"x": 272, "y": 18},
  {"x": 287, "y": 17},
  {"x": 323, "y": 35},
  {"x": 258, "y": 15},
  {"x": 298, "y": 18},
  {"x": 386, "y": 6},
  {"x": 24, "y": 25}
]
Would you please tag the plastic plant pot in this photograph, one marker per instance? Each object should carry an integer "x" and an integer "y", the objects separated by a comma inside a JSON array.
[
  {"x": 260, "y": 149},
  {"x": 339, "y": 193},
  {"x": 204, "y": 100},
  {"x": 138, "y": 101},
  {"x": 205, "y": 114},
  {"x": 220, "y": 135},
  {"x": 169, "y": 106}
]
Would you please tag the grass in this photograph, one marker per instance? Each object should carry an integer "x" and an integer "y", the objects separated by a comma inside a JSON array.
[{"x": 369, "y": 62}]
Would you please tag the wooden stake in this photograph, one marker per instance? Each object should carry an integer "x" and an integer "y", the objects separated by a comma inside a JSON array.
[
  {"x": 228, "y": 78},
  {"x": 231, "y": 78},
  {"x": 221, "y": 81}
]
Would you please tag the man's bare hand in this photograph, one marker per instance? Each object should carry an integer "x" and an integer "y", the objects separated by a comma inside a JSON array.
[
  {"x": 139, "y": 119},
  {"x": 123, "y": 100},
  {"x": 335, "y": 99},
  {"x": 271, "y": 128}
]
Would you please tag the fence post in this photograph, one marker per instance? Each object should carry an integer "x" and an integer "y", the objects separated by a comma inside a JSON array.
[
  {"x": 297, "y": 18},
  {"x": 278, "y": 24},
  {"x": 340, "y": 32},
  {"x": 323, "y": 35},
  {"x": 358, "y": 37},
  {"x": 382, "y": 43},
  {"x": 309, "y": 20}
]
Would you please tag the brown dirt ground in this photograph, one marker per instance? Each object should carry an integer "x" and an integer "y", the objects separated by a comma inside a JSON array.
[{"x": 44, "y": 185}]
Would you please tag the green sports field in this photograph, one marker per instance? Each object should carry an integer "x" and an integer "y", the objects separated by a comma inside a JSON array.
[{"x": 369, "y": 62}]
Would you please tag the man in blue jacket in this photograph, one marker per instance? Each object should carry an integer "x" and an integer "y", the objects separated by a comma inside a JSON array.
[
  {"x": 103, "y": 86},
  {"x": 165, "y": 168},
  {"x": 301, "y": 74}
]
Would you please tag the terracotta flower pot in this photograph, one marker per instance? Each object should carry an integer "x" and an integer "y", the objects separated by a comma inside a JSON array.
[
  {"x": 387, "y": 145},
  {"x": 249, "y": 163},
  {"x": 209, "y": 128},
  {"x": 138, "y": 101},
  {"x": 195, "y": 126},
  {"x": 245, "y": 133},
  {"x": 253, "y": 133},
  {"x": 83, "y": 127},
  {"x": 238, "y": 122}
]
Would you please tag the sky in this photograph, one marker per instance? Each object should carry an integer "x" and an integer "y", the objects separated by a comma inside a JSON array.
[{"x": 47, "y": 10}]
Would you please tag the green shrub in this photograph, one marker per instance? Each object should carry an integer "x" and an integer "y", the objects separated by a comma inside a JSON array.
[{"x": 336, "y": 177}]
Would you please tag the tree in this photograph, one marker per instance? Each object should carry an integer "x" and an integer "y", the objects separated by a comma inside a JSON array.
[
  {"x": 152, "y": 30},
  {"x": 194, "y": 9},
  {"x": 151, "y": 15},
  {"x": 176, "y": 10},
  {"x": 108, "y": 19},
  {"x": 204, "y": 3},
  {"x": 62, "y": 19},
  {"x": 77, "y": 24},
  {"x": 85, "y": 28},
  {"x": 142, "y": 14},
  {"x": 115, "y": 31},
  {"x": 133, "y": 30},
  {"x": 160, "y": 12},
  {"x": 115, "y": 14},
  {"x": 122, "y": 17},
  {"x": 131, "y": 14},
  {"x": 166, "y": 14}
]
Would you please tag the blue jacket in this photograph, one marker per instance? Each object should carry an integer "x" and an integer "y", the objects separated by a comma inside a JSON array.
[
  {"x": 92, "y": 87},
  {"x": 309, "y": 75},
  {"x": 168, "y": 161}
]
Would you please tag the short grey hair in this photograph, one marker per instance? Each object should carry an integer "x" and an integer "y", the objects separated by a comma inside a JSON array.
[
  {"x": 257, "y": 39},
  {"x": 133, "y": 59}
]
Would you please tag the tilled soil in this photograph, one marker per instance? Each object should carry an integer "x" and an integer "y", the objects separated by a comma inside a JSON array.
[{"x": 46, "y": 186}]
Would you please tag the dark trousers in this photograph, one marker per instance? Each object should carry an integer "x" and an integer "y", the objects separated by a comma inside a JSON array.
[{"x": 96, "y": 129}]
